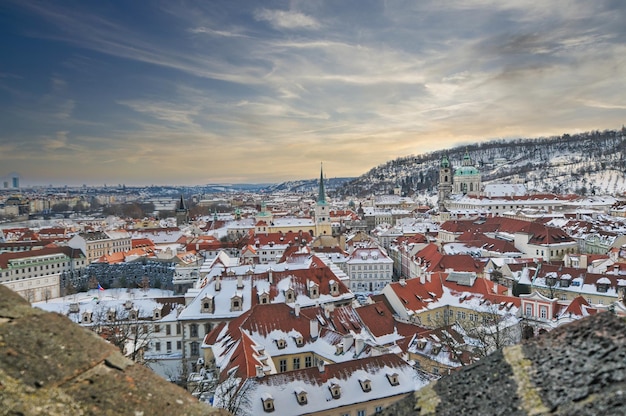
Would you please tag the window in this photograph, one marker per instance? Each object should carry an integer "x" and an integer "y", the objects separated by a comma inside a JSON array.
[
  {"x": 360, "y": 413},
  {"x": 168, "y": 346},
  {"x": 268, "y": 404},
  {"x": 301, "y": 397},
  {"x": 308, "y": 361},
  {"x": 543, "y": 312},
  {"x": 296, "y": 363},
  {"x": 379, "y": 409},
  {"x": 179, "y": 345},
  {"x": 366, "y": 385},
  {"x": 207, "y": 328},
  {"x": 157, "y": 346},
  {"x": 195, "y": 349},
  {"x": 168, "y": 329},
  {"x": 282, "y": 366},
  {"x": 178, "y": 329},
  {"x": 529, "y": 310},
  {"x": 393, "y": 379},
  {"x": 193, "y": 330},
  {"x": 157, "y": 328}
]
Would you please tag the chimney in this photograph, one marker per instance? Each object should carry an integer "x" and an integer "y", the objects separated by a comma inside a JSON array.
[
  {"x": 616, "y": 269},
  {"x": 359, "y": 346},
  {"x": 296, "y": 309},
  {"x": 402, "y": 282},
  {"x": 218, "y": 284},
  {"x": 239, "y": 282},
  {"x": 314, "y": 328},
  {"x": 270, "y": 276},
  {"x": 348, "y": 340},
  {"x": 320, "y": 365},
  {"x": 259, "y": 371}
]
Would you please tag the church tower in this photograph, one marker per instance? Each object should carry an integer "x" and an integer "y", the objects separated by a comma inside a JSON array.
[
  {"x": 182, "y": 213},
  {"x": 323, "y": 225},
  {"x": 445, "y": 182}
]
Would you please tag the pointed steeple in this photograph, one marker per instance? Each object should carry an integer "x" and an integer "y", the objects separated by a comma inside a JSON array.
[
  {"x": 321, "y": 197},
  {"x": 181, "y": 204}
]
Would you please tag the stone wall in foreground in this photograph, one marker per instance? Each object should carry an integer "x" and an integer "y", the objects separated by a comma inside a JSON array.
[{"x": 577, "y": 369}]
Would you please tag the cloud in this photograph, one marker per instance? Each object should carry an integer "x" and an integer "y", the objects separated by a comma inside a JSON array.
[
  {"x": 213, "y": 32},
  {"x": 233, "y": 92},
  {"x": 282, "y": 19}
]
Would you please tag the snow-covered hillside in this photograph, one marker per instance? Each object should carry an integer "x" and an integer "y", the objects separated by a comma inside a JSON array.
[{"x": 585, "y": 163}]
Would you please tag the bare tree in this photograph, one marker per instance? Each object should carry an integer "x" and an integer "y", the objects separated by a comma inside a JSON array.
[
  {"x": 230, "y": 393},
  {"x": 124, "y": 328},
  {"x": 493, "y": 328}
]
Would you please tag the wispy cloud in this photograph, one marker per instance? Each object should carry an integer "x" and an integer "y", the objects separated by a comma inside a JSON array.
[
  {"x": 287, "y": 19},
  {"x": 214, "y": 32}
]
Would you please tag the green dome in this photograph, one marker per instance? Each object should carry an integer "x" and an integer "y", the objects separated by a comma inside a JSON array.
[
  {"x": 445, "y": 163},
  {"x": 466, "y": 171}
]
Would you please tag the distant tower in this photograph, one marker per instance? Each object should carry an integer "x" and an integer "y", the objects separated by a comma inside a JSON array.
[
  {"x": 467, "y": 178},
  {"x": 182, "y": 213},
  {"x": 323, "y": 225},
  {"x": 445, "y": 182}
]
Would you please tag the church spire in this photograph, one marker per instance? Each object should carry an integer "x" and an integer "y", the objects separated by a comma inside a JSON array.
[{"x": 321, "y": 197}]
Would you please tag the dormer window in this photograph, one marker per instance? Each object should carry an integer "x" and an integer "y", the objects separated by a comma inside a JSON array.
[
  {"x": 334, "y": 288},
  {"x": 335, "y": 390},
  {"x": 314, "y": 291},
  {"x": 86, "y": 318},
  {"x": 236, "y": 303},
  {"x": 393, "y": 379},
  {"x": 156, "y": 313},
  {"x": 281, "y": 343},
  {"x": 268, "y": 403},
  {"x": 421, "y": 343},
  {"x": 111, "y": 315},
  {"x": 74, "y": 308},
  {"x": 264, "y": 298},
  {"x": 338, "y": 349},
  {"x": 603, "y": 284},
  {"x": 301, "y": 396},
  {"x": 366, "y": 385},
  {"x": 206, "y": 305},
  {"x": 299, "y": 341},
  {"x": 128, "y": 304},
  {"x": 132, "y": 315},
  {"x": 290, "y": 295}
]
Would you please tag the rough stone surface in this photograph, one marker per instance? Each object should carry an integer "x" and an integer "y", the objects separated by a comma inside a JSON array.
[
  {"x": 577, "y": 369},
  {"x": 51, "y": 366}
]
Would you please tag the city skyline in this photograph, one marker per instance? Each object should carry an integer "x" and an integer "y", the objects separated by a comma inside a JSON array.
[{"x": 244, "y": 92}]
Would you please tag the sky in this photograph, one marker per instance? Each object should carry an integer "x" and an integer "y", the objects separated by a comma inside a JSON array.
[{"x": 192, "y": 92}]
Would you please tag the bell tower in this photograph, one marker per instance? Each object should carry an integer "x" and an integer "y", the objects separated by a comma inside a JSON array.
[
  {"x": 322, "y": 213},
  {"x": 445, "y": 182}
]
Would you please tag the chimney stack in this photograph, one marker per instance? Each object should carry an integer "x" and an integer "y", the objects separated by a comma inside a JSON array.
[
  {"x": 347, "y": 342},
  {"x": 296, "y": 309},
  {"x": 314, "y": 328},
  {"x": 359, "y": 346}
]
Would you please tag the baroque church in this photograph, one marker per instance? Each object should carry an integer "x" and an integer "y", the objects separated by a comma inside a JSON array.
[{"x": 464, "y": 180}]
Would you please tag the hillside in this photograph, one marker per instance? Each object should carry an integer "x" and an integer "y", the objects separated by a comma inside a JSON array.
[{"x": 585, "y": 163}]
